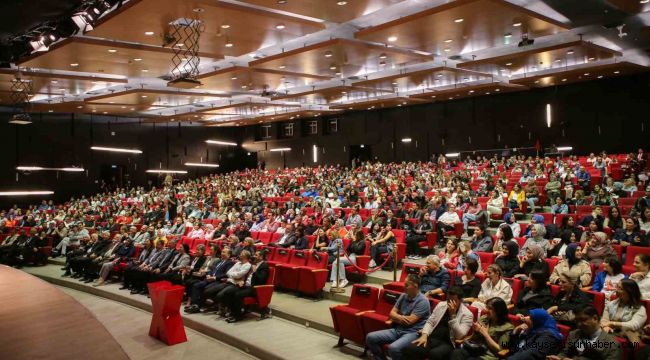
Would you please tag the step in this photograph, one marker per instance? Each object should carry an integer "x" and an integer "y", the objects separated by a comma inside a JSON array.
[{"x": 307, "y": 319}]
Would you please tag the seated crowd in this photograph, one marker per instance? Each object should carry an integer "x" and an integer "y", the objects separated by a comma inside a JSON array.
[{"x": 375, "y": 210}]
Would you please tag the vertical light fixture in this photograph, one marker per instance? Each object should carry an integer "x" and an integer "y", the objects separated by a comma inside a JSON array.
[
  {"x": 548, "y": 115},
  {"x": 315, "y": 153}
]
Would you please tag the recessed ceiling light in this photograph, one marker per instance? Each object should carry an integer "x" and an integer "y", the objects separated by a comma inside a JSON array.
[
  {"x": 392, "y": 38},
  {"x": 137, "y": 59},
  {"x": 487, "y": 93},
  {"x": 244, "y": 86},
  {"x": 338, "y": 73},
  {"x": 448, "y": 41},
  {"x": 123, "y": 107},
  {"x": 104, "y": 113},
  {"x": 111, "y": 102},
  {"x": 517, "y": 24},
  {"x": 591, "y": 59},
  {"x": 144, "y": 96},
  {"x": 282, "y": 2},
  {"x": 497, "y": 89},
  {"x": 382, "y": 63},
  {"x": 471, "y": 91},
  {"x": 132, "y": 109},
  {"x": 508, "y": 64},
  {"x": 94, "y": 110},
  {"x": 328, "y": 54},
  {"x": 600, "y": 76},
  {"x": 280, "y": 26},
  {"x": 228, "y": 44},
  {"x": 225, "y": 26},
  {"x": 563, "y": 79},
  {"x": 507, "y": 35},
  {"x": 570, "y": 52},
  {"x": 341, "y": 3},
  {"x": 79, "y": 107},
  {"x": 54, "y": 82},
  {"x": 112, "y": 50},
  {"x": 180, "y": 45},
  {"x": 148, "y": 33},
  {"x": 395, "y": 83},
  {"x": 433, "y": 96},
  {"x": 616, "y": 72},
  {"x": 233, "y": 78},
  {"x": 586, "y": 74},
  {"x": 644, "y": 1},
  {"x": 382, "y": 56},
  {"x": 50, "y": 110},
  {"x": 62, "y": 89},
  {"x": 74, "y": 64},
  {"x": 459, "y": 20},
  {"x": 447, "y": 50},
  {"x": 536, "y": 81},
  {"x": 558, "y": 60},
  {"x": 332, "y": 67}
]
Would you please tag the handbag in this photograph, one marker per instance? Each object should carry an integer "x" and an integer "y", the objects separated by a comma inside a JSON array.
[{"x": 474, "y": 348}]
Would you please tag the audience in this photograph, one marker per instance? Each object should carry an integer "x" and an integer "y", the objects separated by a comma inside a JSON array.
[
  {"x": 535, "y": 295},
  {"x": 625, "y": 316},
  {"x": 434, "y": 279},
  {"x": 574, "y": 263}
]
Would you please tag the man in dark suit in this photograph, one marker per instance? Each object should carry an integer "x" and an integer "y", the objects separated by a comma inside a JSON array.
[
  {"x": 288, "y": 239},
  {"x": 216, "y": 275},
  {"x": 79, "y": 263},
  {"x": 259, "y": 276},
  {"x": 156, "y": 266}
]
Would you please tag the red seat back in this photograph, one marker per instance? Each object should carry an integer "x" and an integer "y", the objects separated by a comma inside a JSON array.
[
  {"x": 298, "y": 257},
  {"x": 316, "y": 260},
  {"x": 515, "y": 284},
  {"x": 598, "y": 300},
  {"x": 632, "y": 251},
  {"x": 363, "y": 297},
  {"x": 282, "y": 255},
  {"x": 264, "y": 237},
  {"x": 408, "y": 269},
  {"x": 487, "y": 258},
  {"x": 386, "y": 301}
]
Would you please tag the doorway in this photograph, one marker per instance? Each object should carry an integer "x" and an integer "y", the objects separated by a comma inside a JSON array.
[{"x": 360, "y": 154}]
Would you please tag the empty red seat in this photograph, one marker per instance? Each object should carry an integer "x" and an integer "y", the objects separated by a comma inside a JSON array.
[
  {"x": 255, "y": 234},
  {"x": 275, "y": 237},
  {"x": 599, "y": 300},
  {"x": 407, "y": 269},
  {"x": 286, "y": 275},
  {"x": 263, "y": 295},
  {"x": 313, "y": 276},
  {"x": 264, "y": 237},
  {"x": 377, "y": 319},
  {"x": 347, "y": 318},
  {"x": 280, "y": 256},
  {"x": 516, "y": 285}
]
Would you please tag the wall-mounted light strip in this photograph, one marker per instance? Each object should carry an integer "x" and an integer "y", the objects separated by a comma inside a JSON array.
[
  {"x": 201, "y": 164},
  {"x": 407, "y": 140},
  {"x": 315, "y": 154},
  {"x": 38, "y": 168},
  {"x": 218, "y": 142},
  {"x": 452, "y": 155},
  {"x": 160, "y": 171},
  {"x": 281, "y": 149},
  {"x": 25, "y": 193},
  {"x": 103, "y": 148},
  {"x": 548, "y": 115},
  {"x": 564, "y": 148}
]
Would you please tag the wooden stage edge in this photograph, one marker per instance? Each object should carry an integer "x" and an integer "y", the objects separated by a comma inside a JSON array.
[{"x": 39, "y": 321}]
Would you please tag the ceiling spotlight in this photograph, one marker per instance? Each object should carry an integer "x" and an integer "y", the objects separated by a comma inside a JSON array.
[
  {"x": 228, "y": 44},
  {"x": 563, "y": 79},
  {"x": 507, "y": 35},
  {"x": 328, "y": 54},
  {"x": 447, "y": 50},
  {"x": 148, "y": 33},
  {"x": 54, "y": 82},
  {"x": 144, "y": 96},
  {"x": 79, "y": 107},
  {"x": 74, "y": 64},
  {"x": 448, "y": 41},
  {"x": 112, "y": 50},
  {"x": 558, "y": 60},
  {"x": 459, "y": 20},
  {"x": 341, "y": 3},
  {"x": 282, "y": 2},
  {"x": 225, "y": 26},
  {"x": 145, "y": 70},
  {"x": 394, "y": 83},
  {"x": 586, "y": 74},
  {"x": 600, "y": 76},
  {"x": 471, "y": 91},
  {"x": 51, "y": 111},
  {"x": 517, "y": 24},
  {"x": 280, "y": 26},
  {"x": 382, "y": 56},
  {"x": 508, "y": 64},
  {"x": 281, "y": 66},
  {"x": 570, "y": 52},
  {"x": 616, "y": 72},
  {"x": 137, "y": 59},
  {"x": 233, "y": 78},
  {"x": 332, "y": 67},
  {"x": 497, "y": 89},
  {"x": 392, "y": 38},
  {"x": 338, "y": 73},
  {"x": 591, "y": 59},
  {"x": 644, "y": 1}
]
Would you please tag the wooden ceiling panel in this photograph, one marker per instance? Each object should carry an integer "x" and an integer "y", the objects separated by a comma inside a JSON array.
[
  {"x": 551, "y": 57},
  {"x": 247, "y": 29},
  {"x": 96, "y": 109},
  {"x": 49, "y": 84},
  {"x": 103, "y": 56},
  {"x": 333, "y": 95},
  {"x": 578, "y": 75},
  {"x": 153, "y": 98},
  {"x": 248, "y": 109},
  {"x": 631, "y": 6},
  {"x": 343, "y": 56},
  {"x": 467, "y": 90},
  {"x": 423, "y": 79},
  {"x": 328, "y": 10},
  {"x": 378, "y": 103},
  {"x": 462, "y": 26},
  {"x": 240, "y": 79}
]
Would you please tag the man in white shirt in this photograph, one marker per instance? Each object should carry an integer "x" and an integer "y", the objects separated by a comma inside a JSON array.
[{"x": 446, "y": 222}]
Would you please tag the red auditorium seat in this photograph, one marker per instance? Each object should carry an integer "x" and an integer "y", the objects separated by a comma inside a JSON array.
[
  {"x": 313, "y": 276},
  {"x": 407, "y": 269},
  {"x": 275, "y": 237},
  {"x": 516, "y": 285},
  {"x": 255, "y": 234},
  {"x": 551, "y": 262},
  {"x": 185, "y": 240},
  {"x": 280, "y": 256},
  {"x": 347, "y": 318},
  {"x": 632, "y": 252},
  {"x": 487, "y": 259},
  {"x": 286, "y": 274},
  {"x": 599, "y": 300},
  {"x": 377, "y": 319},
  {"x": 264, "y": 237},
  {"x": 263, "y": 295}
]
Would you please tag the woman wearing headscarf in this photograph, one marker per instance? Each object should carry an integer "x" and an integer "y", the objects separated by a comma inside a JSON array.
[
  {"x": 568, "y": 300},
  {"x": 598, "y": 249},
  {"x": 558, "y": 248},
  {"x": 508, "y": 260},
  {"x": 537, "y": 338},
  {"x": 535, "y": 295},
  {"x": 533, "y": 259},
  {"x": 536, "y": 219},
  {"x": 536, "y": 238},
  {"x": 509, "y": 218},
  {"x": 574, "y": 263}
]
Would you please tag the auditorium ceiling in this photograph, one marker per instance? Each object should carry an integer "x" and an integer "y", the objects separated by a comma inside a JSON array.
[{"x": 238, "y": 62}]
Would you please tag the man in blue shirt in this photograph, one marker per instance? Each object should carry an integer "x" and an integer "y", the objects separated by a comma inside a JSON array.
[
  {"x": 408, "y": 316},
  {"x": 434, "y": 278},
  {"x": 583, "y": 177}
]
